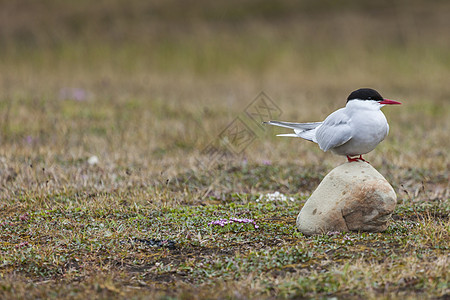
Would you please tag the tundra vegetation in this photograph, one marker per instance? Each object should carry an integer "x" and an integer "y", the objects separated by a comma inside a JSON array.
[{"x": 107, "y": 108}]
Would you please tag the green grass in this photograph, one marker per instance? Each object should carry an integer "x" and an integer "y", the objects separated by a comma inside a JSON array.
[
  {"x": 147, "y": 86},
  {"x": 67, "y": 246}
]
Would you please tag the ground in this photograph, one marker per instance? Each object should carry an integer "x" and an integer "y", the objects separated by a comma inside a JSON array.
[{"x": 127, "y": 128}]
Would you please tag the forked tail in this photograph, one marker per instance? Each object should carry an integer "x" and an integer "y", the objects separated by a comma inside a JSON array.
[{"x": 306, "y": 131}]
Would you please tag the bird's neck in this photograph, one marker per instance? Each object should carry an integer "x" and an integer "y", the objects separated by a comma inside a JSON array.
[{"x": 363, "y": 105}]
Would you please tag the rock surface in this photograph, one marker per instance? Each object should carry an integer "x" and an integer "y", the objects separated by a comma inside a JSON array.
[{"x": 352, "y": 197}]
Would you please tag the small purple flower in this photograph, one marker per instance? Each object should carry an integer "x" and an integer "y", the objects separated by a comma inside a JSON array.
[
  {"x": 266, "y": 162},
  {"x": 333, "y": 232},
  {"x": 76, "y": 94},
  {"x": 22, "y": 244},
  {"x": 348, "y": 238},
  {"x": 23, "y": 217},
  {"x": 223, "y": 222},
  {"x": 29, "y": 139}
]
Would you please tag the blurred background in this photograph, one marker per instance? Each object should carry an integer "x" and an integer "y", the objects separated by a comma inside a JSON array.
[{"x": 146, "y": 85}]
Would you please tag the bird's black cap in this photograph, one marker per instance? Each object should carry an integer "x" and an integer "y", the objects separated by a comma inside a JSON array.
[{"x": 365, "y": 94}]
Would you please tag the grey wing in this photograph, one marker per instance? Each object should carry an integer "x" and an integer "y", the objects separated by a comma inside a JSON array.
[{"x": 335, "y": 131}]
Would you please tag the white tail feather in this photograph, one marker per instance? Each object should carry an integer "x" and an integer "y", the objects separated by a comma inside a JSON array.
[
  {"x": 288, "y": 134},
  {"x": 306, "y": 131}
]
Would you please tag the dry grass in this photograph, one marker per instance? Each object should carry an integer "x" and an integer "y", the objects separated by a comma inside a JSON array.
[{"x": 147, "y": 86}]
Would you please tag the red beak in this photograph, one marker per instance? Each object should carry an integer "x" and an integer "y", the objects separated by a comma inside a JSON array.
[{"x": 387, "y": 101}]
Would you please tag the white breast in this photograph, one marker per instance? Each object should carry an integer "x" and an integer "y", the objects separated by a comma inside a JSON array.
[{"x": 369, "y": 128}]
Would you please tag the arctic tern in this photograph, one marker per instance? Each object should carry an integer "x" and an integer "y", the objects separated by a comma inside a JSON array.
[{"x": 352, "y": 131}]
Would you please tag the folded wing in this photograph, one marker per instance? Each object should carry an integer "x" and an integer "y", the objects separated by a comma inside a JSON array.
[{"x": 334, "y": 131}]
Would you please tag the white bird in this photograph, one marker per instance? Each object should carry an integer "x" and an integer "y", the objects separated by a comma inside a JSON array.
[{"x": 353, "y": 130}]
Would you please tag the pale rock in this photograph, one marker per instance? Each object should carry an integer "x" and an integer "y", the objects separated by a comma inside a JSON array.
[{"x": 352, "y": 197}]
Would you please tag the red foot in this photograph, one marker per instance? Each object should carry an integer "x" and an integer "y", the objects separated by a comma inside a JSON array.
[{"x": 357, "y": 159}]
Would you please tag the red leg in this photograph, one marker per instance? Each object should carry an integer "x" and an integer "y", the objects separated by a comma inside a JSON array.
[
  {"x": 351, "y": 159},
  {"x": 357, "y": 159},
  {"x": 362, "y": 159}
]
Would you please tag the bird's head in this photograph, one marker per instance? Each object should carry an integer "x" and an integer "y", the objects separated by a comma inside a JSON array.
[{"x": 370, "y": 95}]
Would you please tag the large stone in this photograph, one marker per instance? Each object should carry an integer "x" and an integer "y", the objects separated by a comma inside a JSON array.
[{"x": 352, "y": 197}]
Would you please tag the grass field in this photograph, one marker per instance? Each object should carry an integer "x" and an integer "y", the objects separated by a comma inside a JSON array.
[{"x": 108, "y": 108}]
